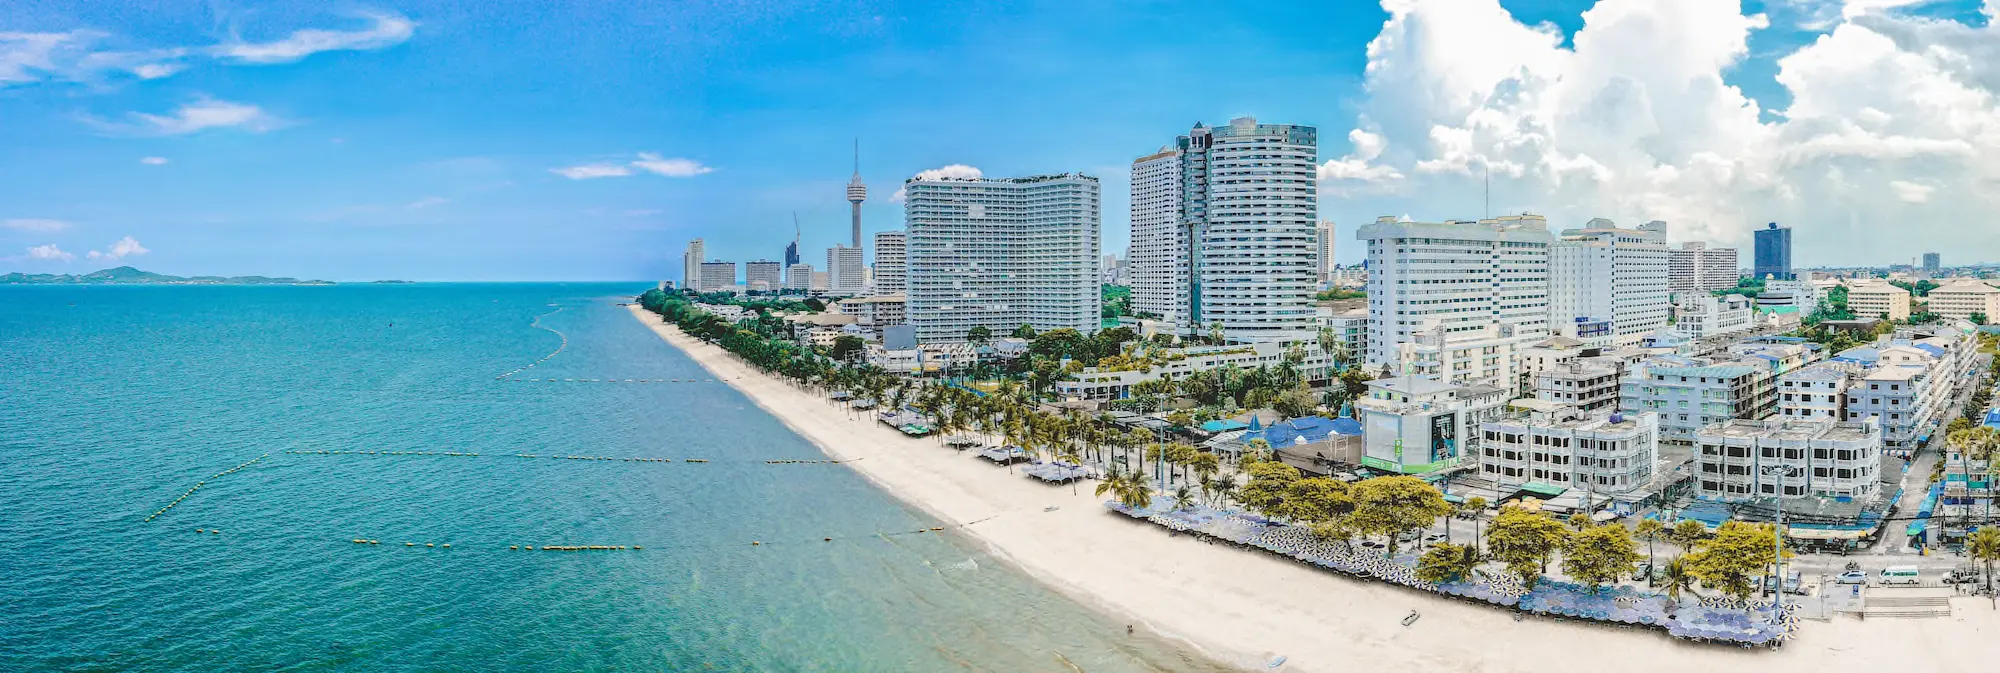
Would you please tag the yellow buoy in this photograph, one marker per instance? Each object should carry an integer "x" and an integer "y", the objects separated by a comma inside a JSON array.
[
  {"x": 409, "y": 544},
  {"x": 755, "y": 543},
  {"x": 427, "y": 544},
  {"x": 447, "y": 545}
]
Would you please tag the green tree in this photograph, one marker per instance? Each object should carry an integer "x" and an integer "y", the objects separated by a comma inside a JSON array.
[
  {"x": 1599, "y": 555},
  {"x": 1476, "y": 507},
  {"x": 1447, "y": 562},
  {"x": 1731, "y": 560},
  {"x": 1296, "y": 402},
  {"x": 1984, "y": 546},
  {"x": 1130, "y": 488},
  {"x": 1391, "y": 506},
  {"x": 1523, "y": 540},
  {"x": 1315, "y": 500},
  {"x": 846, "y": 346},
  {"x": 1269, "y": 482},
  {"x": 1677, "y": 578},
  {"x": 1025, "y": 331},
  {"x": 1977, "y": 318},
  {"x": 979, "y": 335}
]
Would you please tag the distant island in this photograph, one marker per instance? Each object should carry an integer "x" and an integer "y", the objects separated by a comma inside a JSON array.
[{"x": 126, "y": 275}]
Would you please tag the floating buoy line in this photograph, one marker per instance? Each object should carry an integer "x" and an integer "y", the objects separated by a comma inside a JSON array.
[
  {"x": 461, "y": 454},
  {"x": 467, "y": 454},
  {"x": 810, "y": 462},
  {"x": 650, "y": 381},
  {"x": 204, "y": 482},
  {"x": 537, "y": 324}
]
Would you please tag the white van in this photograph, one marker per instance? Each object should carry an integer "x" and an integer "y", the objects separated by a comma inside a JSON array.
[{"x": 1899, "y": 575}]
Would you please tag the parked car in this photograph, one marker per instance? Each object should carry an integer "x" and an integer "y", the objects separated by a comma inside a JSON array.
[
  {"x": 1793, "y": 583},
  {"x": 1852, "y": 577},
  {"x": 1963, "y": 575}
]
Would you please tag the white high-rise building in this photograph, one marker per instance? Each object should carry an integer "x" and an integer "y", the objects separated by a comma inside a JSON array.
[
  {"x": 1326, "y": 241},
  {"x": 1695, "y": 267},
  {"x": 891, "y": 262},
  {"x": 718, "y": 276},
  {"x": 1609, "y": 284},
  {"x": 1001, "y": 253},
  {"x": 691, "y": 265},
  {"x": 1462, "y": 275},
  {"x": 799, "y": 277},
  {"x": 763, "y": 276},
  {"x": 845, "y": 274},
  {"x": 1158, "y": 258},
  {"x": 1250, "y": 199}
]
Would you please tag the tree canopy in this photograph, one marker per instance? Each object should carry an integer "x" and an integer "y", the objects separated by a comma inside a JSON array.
[{"x": 1523, "y": 540}]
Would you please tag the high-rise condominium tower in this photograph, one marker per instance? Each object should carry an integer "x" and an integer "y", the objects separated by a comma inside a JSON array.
[
  {"x": 846, "y": 275},
  {"x": 691, "y": 264},
  {"x": 891, "y": 262},
  {"x": 1609, "y": 282},
  {"x": 1695, "y": 267},
  {"x": 1246, "y": 197},
  {"x": 1158, "y": 257},
  {"x": 1462, "y": 275},
  {"x": 763, "y": 276},
  {"x": 1001, "y": 253},
  {"x": 1325, "y": 251}
]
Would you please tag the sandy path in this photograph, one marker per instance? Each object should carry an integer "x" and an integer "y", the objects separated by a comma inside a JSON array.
[{"x": 1243, "y": 608}]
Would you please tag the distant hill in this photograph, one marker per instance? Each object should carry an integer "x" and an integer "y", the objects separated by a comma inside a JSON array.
[{"x": 126, "y": 275}]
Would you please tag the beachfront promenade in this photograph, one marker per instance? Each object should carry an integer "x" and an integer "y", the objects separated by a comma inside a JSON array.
[{"x": 1246, "y": 608}]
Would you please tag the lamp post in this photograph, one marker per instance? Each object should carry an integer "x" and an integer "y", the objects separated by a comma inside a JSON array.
[{"x": 1778, "y": 472}]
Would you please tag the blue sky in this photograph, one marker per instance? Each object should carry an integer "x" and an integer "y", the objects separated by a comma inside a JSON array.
[{"x": 437, "y": 140}]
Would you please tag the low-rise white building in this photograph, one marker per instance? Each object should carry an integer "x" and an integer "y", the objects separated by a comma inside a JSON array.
[
  {"x": 1689, "y": 396},
  {"x": 1962, "y": 298},
  {"x": 1559, "y": 445},
  {"x": 1816, "y": 392},
  {"x": 1700, "y": 316},
  {"x": 1419, "y": 425},
  {"x": 1819, "y": 457},
  {"x": 1100, "y": 384},
  {"x": 1486, "y": 355}
]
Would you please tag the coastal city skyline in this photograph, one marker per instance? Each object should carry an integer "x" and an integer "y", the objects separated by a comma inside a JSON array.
[{"x": 1764, "y": 127}]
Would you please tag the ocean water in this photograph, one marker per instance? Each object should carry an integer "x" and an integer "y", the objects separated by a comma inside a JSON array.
[{"x": 114, "y": 401}]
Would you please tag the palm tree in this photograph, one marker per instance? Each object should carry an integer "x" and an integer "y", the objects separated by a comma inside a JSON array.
[
  {"x": 1650, "y": 530},
  {"x": 1476, "y": 506},
  {"x": 1678, "y": 579},
  {"x": 1984, "y": 546}
]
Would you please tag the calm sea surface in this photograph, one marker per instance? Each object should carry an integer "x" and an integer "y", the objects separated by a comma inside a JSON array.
[{"x": 114, "y": 401}]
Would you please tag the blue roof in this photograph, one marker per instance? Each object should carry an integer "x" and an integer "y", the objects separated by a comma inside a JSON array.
[
  {"x": 1992, "y": 418},
  {"x": 1312, "y": 428},
  {"x": 1927, "y": 348}
]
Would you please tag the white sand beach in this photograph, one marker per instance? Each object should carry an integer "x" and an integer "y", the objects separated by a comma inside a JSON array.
[{"x": 1244, "y": 608}]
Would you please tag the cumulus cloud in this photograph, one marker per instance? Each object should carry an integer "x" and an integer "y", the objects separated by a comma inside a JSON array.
[
  {"x": 49, "y": 253},
  {"x": 388, "y": 30},
  {"x": 120, "y": 249},
  {"x": 153, "y": 161},
  {"x": 1632, "y": 118},
  {"x": 36, "y": 225},
  {"x": 201, "y": 114},
  {"x": 951, "y": 172},
  {"x": 649, "y": 162}
]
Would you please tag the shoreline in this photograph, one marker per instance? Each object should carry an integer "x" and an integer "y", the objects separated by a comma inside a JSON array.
[{"x": 1242, "y": 609}]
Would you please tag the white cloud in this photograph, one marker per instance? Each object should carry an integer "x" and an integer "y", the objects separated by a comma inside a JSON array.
[
  {"x": 35, "y": 225},
  {"x": 153, "y": 161},
  {"x": 673, "y": 168},
  {"x": 427, "y": 202},
  {"x": 120, "y": 249},
  {"x": 1911, "y": 192},
  {"x": 388, "y": 30},
  {"x": 951, "y": 172},
  {"x": 592, "y": 171},
  {"x": 28, "y": 57},
  {"x": 49, "y": 253},
  {"x": 203, "y": 113},
  {"x": 1632, "y": 118},
  {"x": 648, "y": 162}
]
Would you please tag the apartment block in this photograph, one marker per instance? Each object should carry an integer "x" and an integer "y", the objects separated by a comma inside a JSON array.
[
  {"x": 1871, "y": 298},
  {"x": 1608, "y": 283},
  {"x": 1807, "y": 457},
  {"x": 1606, "y": 453},
  {"x": 1464, "y": 275},
  {"x": 1689, "y": 395},
  {"x": 891, "y": 262},
  {"x": 1695, "y": 267},
  {"x": 1961, "y": 299},
  {"x": 1001, "y": 253},
  {"x": 717, "y": 277},
  {"x": 763, "y": 276}
]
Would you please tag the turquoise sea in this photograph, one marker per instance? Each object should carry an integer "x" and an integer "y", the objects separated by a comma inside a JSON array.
[{"x": 114, "y": 401}]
